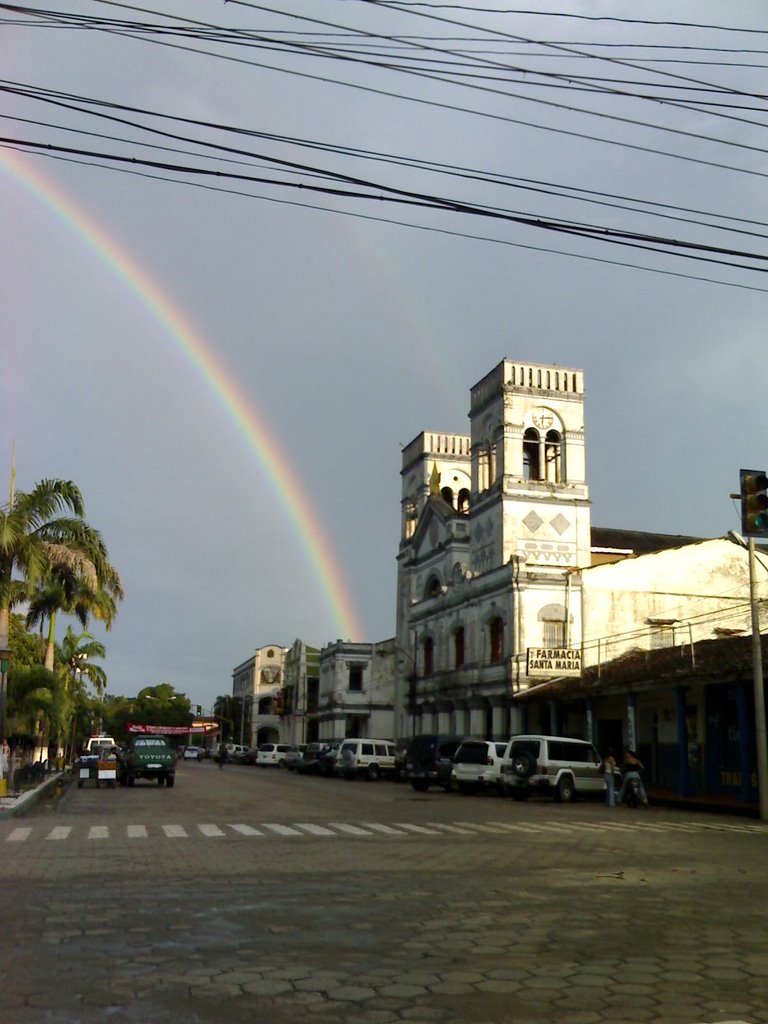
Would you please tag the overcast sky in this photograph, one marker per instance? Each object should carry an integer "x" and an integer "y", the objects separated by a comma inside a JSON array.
[{"x": 228, "y": 371}]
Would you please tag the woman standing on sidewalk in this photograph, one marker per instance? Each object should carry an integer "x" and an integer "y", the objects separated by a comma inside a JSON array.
[{"x": 609, "y": 769}]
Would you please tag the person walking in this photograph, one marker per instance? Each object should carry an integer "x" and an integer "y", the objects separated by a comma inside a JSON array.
[
  {"x": 223, "y": 754},
  {"x": 608, "y": 768}
]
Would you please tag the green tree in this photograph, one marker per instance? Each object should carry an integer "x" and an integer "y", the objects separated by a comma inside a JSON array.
[
  {"x": 44, "y": 537},
  {"x": 36, "y": 703},
  {"x": 77, "y": 656}
]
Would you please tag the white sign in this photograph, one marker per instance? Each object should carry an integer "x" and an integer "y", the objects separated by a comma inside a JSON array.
[{"x": 554, "y": 661}]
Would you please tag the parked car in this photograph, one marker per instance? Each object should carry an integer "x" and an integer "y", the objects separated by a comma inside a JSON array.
[
  {"x": 559, "y": 766},
  {"x": 477, "y": 765},
  {"x": 326, "y": 759},
  {"x": 147, "y": 757},
  {"x": 428, "y": 761},
  {"x": 193, "y": 753},
  {"x": 294, "y": 756},
  {"x": 273, "y": 754},
  {"x": 366, "y": 757},
  {"x": 236, "y": 752},
  {"x": 309, "y": 763}
]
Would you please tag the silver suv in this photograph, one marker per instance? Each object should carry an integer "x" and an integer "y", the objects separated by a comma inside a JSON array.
[{"x": 559, "y": 766}]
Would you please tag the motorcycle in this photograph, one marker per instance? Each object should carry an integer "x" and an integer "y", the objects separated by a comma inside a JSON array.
[{"x": 632, "y": 792}]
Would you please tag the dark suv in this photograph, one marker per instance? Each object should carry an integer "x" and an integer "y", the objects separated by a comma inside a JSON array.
[{"x": 428, "y": 761}]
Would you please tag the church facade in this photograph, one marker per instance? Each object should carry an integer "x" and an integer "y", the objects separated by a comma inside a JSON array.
[{"x": 508, "y": 598}]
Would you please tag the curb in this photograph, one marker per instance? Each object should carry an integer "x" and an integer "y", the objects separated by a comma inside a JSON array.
[{"x": 10, "y": 807}]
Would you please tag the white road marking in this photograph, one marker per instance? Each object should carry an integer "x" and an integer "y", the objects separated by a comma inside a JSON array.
[
  {"x": 246, "y": 830},
  {"x": 98, "y": 832},
  {"x": 211, "y": 830},
  {"x": 352, "y": 830},
  {"x": 316, "y": 830},
  {"x": 386, "y": 830},
  {"x": 283, "y": 830},
  {"x": 59, "y": 832},
  {"x": 136, "y": 831},
  {"x": 175, "y": 831},
  {"x": 18, "y": 835},
  {"x": 420, "y": 829},
  {"x": 451, "y": 828}
]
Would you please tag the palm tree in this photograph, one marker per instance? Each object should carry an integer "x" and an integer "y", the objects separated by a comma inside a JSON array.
[
  {"x": 64, "y": 591},
  {"x": 78, "y": 651},
  {"x": 40, "y": 541}
]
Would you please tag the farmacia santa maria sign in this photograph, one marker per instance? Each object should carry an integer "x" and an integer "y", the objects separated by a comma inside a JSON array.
[{"x": 548, "y": 661}]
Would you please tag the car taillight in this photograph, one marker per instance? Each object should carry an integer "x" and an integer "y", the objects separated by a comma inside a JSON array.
[
  {"x": 541, "y": 769},
  {"x": 489, "y": 760}
]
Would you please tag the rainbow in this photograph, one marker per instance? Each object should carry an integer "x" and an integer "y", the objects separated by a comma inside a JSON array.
[{"x": 207, "y": 363}]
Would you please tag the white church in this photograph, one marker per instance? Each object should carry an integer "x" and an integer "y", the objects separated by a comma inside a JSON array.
[{"x": 511, "y": 606}]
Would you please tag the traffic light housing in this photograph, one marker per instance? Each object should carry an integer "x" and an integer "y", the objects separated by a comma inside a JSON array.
[{"x": 754, "y": 502}]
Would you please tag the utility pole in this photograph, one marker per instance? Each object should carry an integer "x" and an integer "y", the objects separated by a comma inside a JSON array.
[{"x": 757, "y": 682}]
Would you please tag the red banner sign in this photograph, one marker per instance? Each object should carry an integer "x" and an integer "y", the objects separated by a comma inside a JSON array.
[{"x": 174, "y": 730}]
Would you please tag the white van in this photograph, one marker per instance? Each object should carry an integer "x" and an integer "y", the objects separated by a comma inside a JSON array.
[{"x": 371, "y": 758}]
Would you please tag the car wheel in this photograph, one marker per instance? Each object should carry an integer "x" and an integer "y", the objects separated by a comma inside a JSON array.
[
  {"x": 281, "y": 764},
  {"x": 521, "y": 795},
  {"x": 523, "y": 764},
  {"x": 420, "y": 785},
  {"x": 373, "y": 772},
  {"x": 170, "y": 781},
  {"x": 566, "y": 791}
]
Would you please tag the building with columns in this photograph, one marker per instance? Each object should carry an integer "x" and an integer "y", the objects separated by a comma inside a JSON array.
[
  {"x": 495, "y": 527},
  {"x": 509, "y": 600}
]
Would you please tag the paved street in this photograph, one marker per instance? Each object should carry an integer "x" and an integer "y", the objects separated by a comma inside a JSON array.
[{"x": 259, "y": 895}]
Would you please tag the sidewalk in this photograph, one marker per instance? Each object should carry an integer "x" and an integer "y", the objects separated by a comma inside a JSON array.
[
  {"x": 717, "y": 803},
  {"x": 14, "y": 804}
]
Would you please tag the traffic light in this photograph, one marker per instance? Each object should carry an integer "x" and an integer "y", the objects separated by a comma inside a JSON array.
[{"x": 754, "y": 502}]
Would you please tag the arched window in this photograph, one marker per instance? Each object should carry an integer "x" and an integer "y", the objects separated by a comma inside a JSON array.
[
  {"x": 428, "y": 650},
  {"x": 447, "y": 495},
  {"x": 531, "y": 463},
  {"x": 553, "y": 447},
  {"x": 482, "y": 469},
  {"x": 409, "y": 519},
  {"x": 554, "y": 627},
  {"x": 434, "y": 587},
  {"x": 496, "y": 640},
  {"x": 458, "y": 647},
  {"x": 463, "y": 502}
]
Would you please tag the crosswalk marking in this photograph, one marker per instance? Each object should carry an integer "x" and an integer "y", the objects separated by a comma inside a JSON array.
[
  {"x": 175, "y": 831},
  {"x": 282, "y": 830},
  {"x": 211, "y": 830},
  {"x": 316, "y": 830},
  {"x": 454, "y": 829},
  {"x": 404, "y": 830},
  {"x": 246, "y": 830},
  {"x": 352, "y": 830},
  {"x": 419, "y": 829},
  {"x": 59, "y": 832},
  {"x": 495, "y": 829}
]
